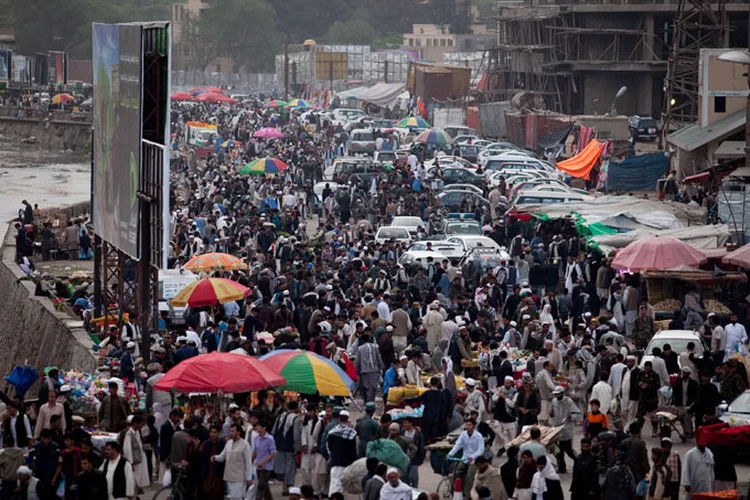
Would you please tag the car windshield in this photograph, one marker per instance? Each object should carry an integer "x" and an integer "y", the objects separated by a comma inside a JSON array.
[
  {"x": 647, "y": 123},
  {"x": 490, "y": 261},
  {"x": 363, "y": 136},
  {"x": 464, "y": 228},
  {"x": 741, "y": 404},
  {"x": 677, "y": 345},
  {"x": 393, "y": 232},
  {"x": 407, "y": 221},
  {"x": 387, "y": 156}
]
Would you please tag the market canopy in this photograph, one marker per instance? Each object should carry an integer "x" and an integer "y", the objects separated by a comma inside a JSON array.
[
  {"x": 581, "y": 164},
  {"x": 384, "y": 95},
  {"x": 657, "y": 252},
  {"x": 220, "y": 371},
  {"x": 352, "y": 93},
  {"x": 704, "y": 238},
  {"x": 739, "y": 257}
]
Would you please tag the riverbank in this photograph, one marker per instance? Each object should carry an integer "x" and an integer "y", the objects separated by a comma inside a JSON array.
[{"x": 49, "y": 135}]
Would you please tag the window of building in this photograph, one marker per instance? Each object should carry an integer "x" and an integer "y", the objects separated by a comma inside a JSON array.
[
  {"x": 419, "y": 42},
  {"x": 411, "y": 42},
  {"x": 720, "y": 104},
  {"x": 450, "y": 42},
  {"x": 442, "y": 42}
]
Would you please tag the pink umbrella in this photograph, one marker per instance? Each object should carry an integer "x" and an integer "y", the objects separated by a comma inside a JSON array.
[
  {"x": 209, "y": 97},
  {"x": 739, "y": 257},
  {"x": 657, "y": 252},
  {"x": 268, "y": 132}
]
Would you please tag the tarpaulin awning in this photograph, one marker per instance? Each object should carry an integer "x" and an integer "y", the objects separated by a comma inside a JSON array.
[
  {"x": 382, "y": 94},
  {"x": 553, "y": 139},
  {"x": 638, "y": 173},
  {"x": 352, "y": 93},
  {"x": 581, "y": 164}
]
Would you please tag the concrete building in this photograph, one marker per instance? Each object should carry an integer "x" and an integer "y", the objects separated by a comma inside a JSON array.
[
  {"x": 577, "y": 54},
  {"x": 7, "y": 38},
  {"x": 433, "y": 41},
  {"x": 722, "y": 105}
]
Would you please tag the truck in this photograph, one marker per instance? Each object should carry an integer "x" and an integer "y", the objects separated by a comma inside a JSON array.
[
  {"x": 171, "y": 281},
  {"x": 201, "y": 135}
]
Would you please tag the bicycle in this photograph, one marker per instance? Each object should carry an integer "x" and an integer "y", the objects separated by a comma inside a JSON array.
[
  {"x": 445, "y": 486},
  {"x": 176, "y": 491}
]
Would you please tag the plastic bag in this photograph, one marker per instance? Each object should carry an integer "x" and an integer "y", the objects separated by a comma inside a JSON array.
[
  {"x": 642, "y": 489},
  {"x": 61, "y": 489},
  {"x": 251, "y": 492},
  {"x": 166, "y": 481},
  {"x": 351, "y": 479},
  {"x": 388, "y": 452}
]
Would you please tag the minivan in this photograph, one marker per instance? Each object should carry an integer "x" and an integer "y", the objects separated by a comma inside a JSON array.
[{"x": 362, "y": 141}]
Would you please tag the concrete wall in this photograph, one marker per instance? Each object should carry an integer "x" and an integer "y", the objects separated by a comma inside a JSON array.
[
  {"x": 53, "y": 136},
  {"x": 30, "y": 328}
]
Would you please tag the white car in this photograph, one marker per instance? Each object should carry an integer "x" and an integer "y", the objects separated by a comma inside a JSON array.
[
  {"x": 467, "y": 243},
  {"x": 391, "y": 233},
  {"x": 343, "y": 116},
  {"x": 677, "y": 340},
  {"x": 420, "y": 257},
  {"x": 444, "y": 247},
  {"x": 461, "y": 139},
  {"x": 410, "y": 223},
  {"x": 449, "y": 161},
  {"x": 463, "y": 187}
]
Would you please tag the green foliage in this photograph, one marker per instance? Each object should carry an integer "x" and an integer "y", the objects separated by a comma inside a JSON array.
[{"x": 354, "y": 32}]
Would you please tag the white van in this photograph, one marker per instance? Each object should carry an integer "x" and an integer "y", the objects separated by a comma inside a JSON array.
[
  {"x": 547, "y": 198},
  {"x": 171, "y": 281}
]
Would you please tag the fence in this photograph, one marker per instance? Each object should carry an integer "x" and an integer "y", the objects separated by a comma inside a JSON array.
[{"x": 244, "y": 82}]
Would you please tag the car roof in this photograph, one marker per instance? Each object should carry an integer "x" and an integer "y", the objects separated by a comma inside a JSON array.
[{"x": 676, "y": 334}]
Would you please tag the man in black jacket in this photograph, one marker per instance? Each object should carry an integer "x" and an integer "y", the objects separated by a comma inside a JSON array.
[
  {"x": 166, "y": 433},
  {"x": 585, "y": 484},
  {"x": 90, "y": 484},
  {"x": 342, "y": 449},
  {"x": 502, "y": 367}
]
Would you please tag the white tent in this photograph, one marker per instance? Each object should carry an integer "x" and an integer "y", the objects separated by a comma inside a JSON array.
[{"x": 384, "y": 95}]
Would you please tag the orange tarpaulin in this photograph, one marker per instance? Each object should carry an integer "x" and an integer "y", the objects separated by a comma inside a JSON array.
[{"x": 581, "y": 164}]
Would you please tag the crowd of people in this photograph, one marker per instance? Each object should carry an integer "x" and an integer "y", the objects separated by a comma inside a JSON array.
[{"x": 319, "y": 281}]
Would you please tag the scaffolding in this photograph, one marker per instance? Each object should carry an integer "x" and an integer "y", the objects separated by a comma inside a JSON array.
[{"x": 699, "y": 24}]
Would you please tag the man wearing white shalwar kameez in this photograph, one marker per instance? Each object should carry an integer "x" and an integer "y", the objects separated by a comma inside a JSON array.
[
  {"x": 238, "y": 468},
  {"x": 698, "y": 471},
  {"x": 132, "y": 450}
]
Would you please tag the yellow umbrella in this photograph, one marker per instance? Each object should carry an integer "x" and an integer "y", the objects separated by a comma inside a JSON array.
[
  {"x": 209, "y": 292},
  {"x": 61, "y": 98}
]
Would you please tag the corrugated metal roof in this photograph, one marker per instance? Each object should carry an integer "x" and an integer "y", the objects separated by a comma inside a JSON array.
[
  {"x": 730, "y": 149},
  {"x": 692, "y": 137}
]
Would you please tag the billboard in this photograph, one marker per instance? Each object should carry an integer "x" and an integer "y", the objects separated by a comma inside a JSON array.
[
  {"x": 118, "y": 74},
  {"x": 58, "y": 68},
  {"x": 6, "y": 60},
  {"x": 41, "y": 74}
]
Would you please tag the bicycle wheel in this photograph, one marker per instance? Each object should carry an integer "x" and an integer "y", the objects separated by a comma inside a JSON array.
[
  {"x": 167, "y": 493},
  {"x": 445, "y": 488}
]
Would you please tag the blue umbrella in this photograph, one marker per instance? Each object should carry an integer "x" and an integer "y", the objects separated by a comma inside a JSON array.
[{"x": 22, "y": 377}]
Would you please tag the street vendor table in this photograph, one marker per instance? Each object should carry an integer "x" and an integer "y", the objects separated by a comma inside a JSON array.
[{"x": 100, "y": 439}]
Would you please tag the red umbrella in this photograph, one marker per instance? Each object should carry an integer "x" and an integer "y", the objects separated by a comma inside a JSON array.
[
  {"x": 181, "y": 96},
  {"x": 210, "y": 97},
  {"x": 213, "y": 90},
  {"x": 220, "y": 371},
  {"x": 657, "y": 252}
]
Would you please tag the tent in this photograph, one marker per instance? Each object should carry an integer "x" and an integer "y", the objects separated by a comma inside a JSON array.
[
  {"x": 638, "y": 173},
  {"x": 581, "y": 164},
  {"x": 384, "y": 95},
  {"x": 353, "y": 93}
]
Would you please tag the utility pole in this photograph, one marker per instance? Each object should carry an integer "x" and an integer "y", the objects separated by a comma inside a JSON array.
[
  {"x": 385, "y": 70},
  {"x": 330, "y": 73}
]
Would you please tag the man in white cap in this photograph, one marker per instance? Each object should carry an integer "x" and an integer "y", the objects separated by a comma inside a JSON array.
[
  {"x": 394, "y": 488},
  {"x": 475, "y": 399},
  {"x": 433, "y": 322},
  {"x": 127, "y": 363},
  {"x": 342, "y": 449},
  {"x": 504, "y": 398},
  {"x": 561, "y": 413},
  {"x": 28, "y": 485},
  {"x": 684, "y": 394}
]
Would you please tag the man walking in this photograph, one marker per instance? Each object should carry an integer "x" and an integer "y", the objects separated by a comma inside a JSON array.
[
  {"x": 238, "y": 468},
  {"x": 119, "y": 473},
  {"x": 698, "y": 470},
  {"x": 562, "y": 414},
  {"x": 369, "y": 366},
  {"x": 342, "y": 448}
]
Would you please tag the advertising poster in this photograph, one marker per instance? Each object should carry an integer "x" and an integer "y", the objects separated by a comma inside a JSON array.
[{"x": 117, "y": 64}]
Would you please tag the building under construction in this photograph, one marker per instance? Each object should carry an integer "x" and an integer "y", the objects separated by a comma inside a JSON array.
[{"x": 576, "y": 54}]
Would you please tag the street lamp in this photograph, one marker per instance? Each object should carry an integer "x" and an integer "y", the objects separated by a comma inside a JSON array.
[
  {"x": 742, "y": 57},
  {"x": 612, "y": 111}
]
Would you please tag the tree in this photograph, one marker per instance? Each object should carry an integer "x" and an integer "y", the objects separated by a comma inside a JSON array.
[
  {"x": 194, "y": 35},
  {"x": 353, "y": 32},
  {"x": 244, "y": 30}
]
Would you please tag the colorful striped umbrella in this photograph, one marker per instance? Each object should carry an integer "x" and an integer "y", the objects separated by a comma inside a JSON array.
[
  {"x": 434, "y": 136},
  {"x": 265, "y": 165},
  {"x": 299, "y": 104},
  {"x": 268, "y": 132},
  {"x": 215, "y": 261},
  {"x": 277, "y": 103},
  {"x": 220, "y": 371},
  {"x": 307, "y": 373},
  {"x": 209, "y": 292},
  {"x": 412, "y": 122}
]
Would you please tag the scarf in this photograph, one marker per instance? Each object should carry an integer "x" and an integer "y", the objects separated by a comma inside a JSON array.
[
  {"x": 539, "y": 482},
  {"x": 448, "y": 365}
]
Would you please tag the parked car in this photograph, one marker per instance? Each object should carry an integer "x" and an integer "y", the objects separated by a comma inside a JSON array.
[
  {"x": 420, "y": 257},
  {"x": 362, "y": 141},
  {"x": 412, "y": 224},
  {"x": 469, "y": 152},
  {"x": 677, "y": 340},
  {"x": 739, "y": 409},
  {"x": 643, "y": 127},
  {"x": 387, "y": 233},
  {"x": 462, "y": 201},
  {"x": 485, "y": 258},
  {"x": 453, "y": 175}
]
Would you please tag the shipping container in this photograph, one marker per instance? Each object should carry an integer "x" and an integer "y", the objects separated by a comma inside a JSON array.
[
  {"x": 41, "y": 70},
  {"x": 432, "y": 84},
  {"x": 492, "y": 119},
  {"x": 443, "y": 116}
]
